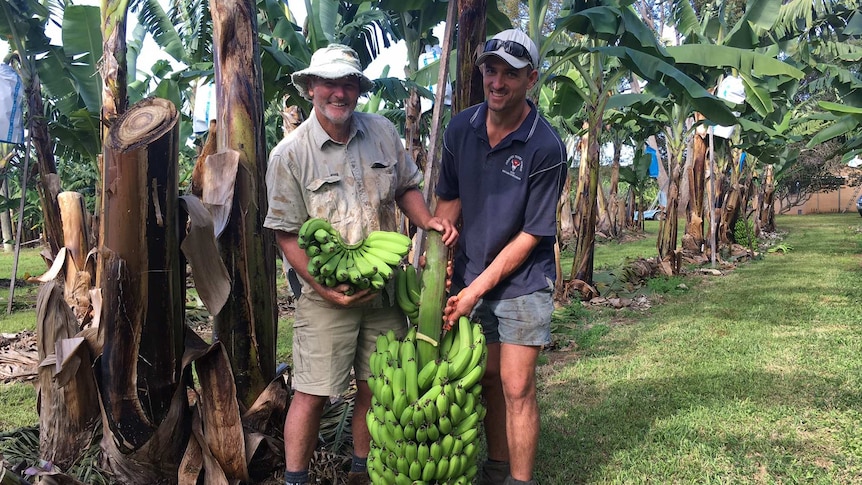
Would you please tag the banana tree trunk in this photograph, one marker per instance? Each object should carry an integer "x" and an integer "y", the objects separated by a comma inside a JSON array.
[
  {"x": 616, "y": 209},
  {"x": 471, "y": 27},
  {"x": 667, "y": 237},
  {"x": 246, "y": 324},
  {"x": 49, "y": 181},
  {"x": 112, "y": 66},
  {"x": 767, "y": 200},
  {"x": 732, "y": 201},
  {"x": 693, "y": 239},
  {"x": 585, "y": 204},
  {"x": 143, "y": 291}
]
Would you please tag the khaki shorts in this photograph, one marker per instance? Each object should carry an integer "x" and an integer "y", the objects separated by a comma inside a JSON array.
[{"x": 328, "y": 342}]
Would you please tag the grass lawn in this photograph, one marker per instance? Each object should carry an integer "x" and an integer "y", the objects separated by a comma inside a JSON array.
[{"x": 750, "y": 377}]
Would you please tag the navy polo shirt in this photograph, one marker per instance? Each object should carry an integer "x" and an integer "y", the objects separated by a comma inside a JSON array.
[{"x": 511, "y": 188}]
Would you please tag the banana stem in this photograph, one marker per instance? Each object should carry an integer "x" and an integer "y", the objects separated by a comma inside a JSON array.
[{"x": 432, "y": 299}]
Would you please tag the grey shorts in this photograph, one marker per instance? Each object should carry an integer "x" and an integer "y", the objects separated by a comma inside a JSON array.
[
  {"x": 328, "y": 342},
  {"x": 523, "y": 320}
]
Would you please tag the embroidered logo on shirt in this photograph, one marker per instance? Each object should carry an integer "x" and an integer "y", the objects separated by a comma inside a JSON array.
[{"x": 514, "y": 167}]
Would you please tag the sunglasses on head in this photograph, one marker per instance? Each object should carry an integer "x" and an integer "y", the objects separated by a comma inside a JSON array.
[{"x": 509, "y": 47}]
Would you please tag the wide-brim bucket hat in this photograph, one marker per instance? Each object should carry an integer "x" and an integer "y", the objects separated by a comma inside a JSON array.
[
  {"x": 334, "y": 61},
  {"x": 513, "y": 46}
]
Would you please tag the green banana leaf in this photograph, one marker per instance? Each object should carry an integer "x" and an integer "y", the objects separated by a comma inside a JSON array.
[
  {"x": 82, "y": 42},
  {"x": 746, "y": 61},
  {"x": 656, "y": 70}
]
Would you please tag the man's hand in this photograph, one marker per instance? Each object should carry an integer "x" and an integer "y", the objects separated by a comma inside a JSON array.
[
  {"x": 338, "y": 295},
  {"x": 447, "y": 230},
  {"x": 460, "y": 305}
]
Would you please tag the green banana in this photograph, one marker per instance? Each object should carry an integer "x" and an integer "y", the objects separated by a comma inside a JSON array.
[
  {"x": 330, "y": 247},
  {"x": 341, "y": 273},
  {"x": 423, "y": 452},
  {"x": 411, "y": 377},
  {"x": 384, "y": 269},
  {"x": 329, "y": 266},
  {"x": 310, "y": 226},
  {"x": 455, "y": 466},
  {"x": 411, "y": 451},
  {"x": 422, "y": 433},
  {"x": 446, "y": 343},
  {"x": 394, "y": 237},
  {"x": 429, "y": 471},
  {"x": 388, "y": 246},
  {"x": 415, "y": 470},
  {"x": 442, "y": 468},
  {"x": 410, "y": 433},
  {"x": 442, "y": 403},
  {"x": 433, "y": 432},
  {"x": 412, "y": 278},
  {"x": 403, "y": 467},
  {"x": 322, "y": 235},
  {"x": 388, "y": 474},
  {"x": 399, "y": 404},
  {"x": 470, "y": 435},
  {"x": 426, "y": 375},
  {"x": 390, "y": 258},
  {"x": 317, "y": 262},
  {"x": 471, "y": 378},
  {"x": 401, "y": 294},
  {"x": 459, "y": 364},
  {"x": 447, "y": 442},
  {"x": 436, "y": 451},
  {"x": 468, "y": 423},
  {"x": 444, "y": 424},
  {"x": 377, "y": 281},
  {"x": 364, "y": 266},
  {"x": 456, "y": 414},
  {"x": 430, "y": 411},
  {"x": 442, "y": 375}
]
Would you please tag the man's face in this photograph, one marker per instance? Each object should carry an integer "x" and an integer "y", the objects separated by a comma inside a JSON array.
[
  {"x": 506, "y": 87},
  {"x": 334, "y": 99}
]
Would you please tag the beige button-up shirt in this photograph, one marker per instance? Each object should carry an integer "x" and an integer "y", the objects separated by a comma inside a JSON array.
[{"x": 353, "y": 185}]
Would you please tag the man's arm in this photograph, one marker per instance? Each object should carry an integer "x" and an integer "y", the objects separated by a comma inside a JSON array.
[{"x": 509, "y": 259}]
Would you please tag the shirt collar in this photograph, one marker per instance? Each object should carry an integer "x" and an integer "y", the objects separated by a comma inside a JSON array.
[
  {"x": 523, "y": 133},
  {"x": 321, "y": 138}
]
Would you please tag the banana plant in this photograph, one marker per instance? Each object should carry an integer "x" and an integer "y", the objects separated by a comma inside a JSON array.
[{"x": 616, "y": 32}]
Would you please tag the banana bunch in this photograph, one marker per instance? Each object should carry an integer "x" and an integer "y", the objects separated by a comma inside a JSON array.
[
  {"x": 407, "y": 291},
  {"x": 370, "y": 263},
  {"x": 424, "y": 423}
]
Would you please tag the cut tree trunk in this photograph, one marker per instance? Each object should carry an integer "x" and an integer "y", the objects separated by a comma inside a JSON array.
[
  {"x": 246, "y": 324},
  {"x": 143, "y": 291},
  {"x": 767, "y": 200}
]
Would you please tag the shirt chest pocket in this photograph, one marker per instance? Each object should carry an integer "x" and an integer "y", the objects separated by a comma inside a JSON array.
[
  {"x": 326, "y": 198},
  {"x": 382, "y": 180}
]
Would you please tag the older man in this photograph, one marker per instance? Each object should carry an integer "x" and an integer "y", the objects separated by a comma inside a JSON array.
[{"x": 351, "y": 169}]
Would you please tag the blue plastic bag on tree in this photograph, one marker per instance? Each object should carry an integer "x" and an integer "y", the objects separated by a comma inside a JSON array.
[{"x": 11, "y": 106}]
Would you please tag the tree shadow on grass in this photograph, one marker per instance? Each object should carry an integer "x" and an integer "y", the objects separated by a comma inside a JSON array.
[{"x": 603, "y": 422}]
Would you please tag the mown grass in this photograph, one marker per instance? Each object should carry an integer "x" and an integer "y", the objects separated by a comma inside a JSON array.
[{"x": 753, "y": 377}]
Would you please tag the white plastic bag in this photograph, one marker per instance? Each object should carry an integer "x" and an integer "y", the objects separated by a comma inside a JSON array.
[{"x": 11, "y": 106}]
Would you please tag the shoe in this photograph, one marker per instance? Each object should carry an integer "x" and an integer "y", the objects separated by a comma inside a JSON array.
[
  {"x": 493, "y": 473},
  {"x": 358, "y": 478}
]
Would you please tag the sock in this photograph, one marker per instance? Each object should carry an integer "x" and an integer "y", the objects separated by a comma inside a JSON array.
[
  {"x": 512, "y": 481},
  {"x": 497, "y": 464},
  {"x": 296, "y": 478},
  {"x": 359, "y": 464}
]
